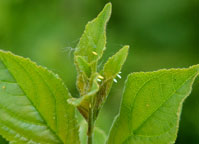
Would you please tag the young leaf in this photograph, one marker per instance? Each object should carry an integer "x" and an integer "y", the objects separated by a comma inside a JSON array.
[
  {"x": 83, "y": 66},
  {"x": 83, "y": 102},
  {"x": 90, "y": 49},
  {"x": 115, "y": 63},
  {"x": 151, "y": 106},
  {"x": 111, "y": 68},
  {"x": 93, "y": 41},
  {"x": 33, "y": 104}
]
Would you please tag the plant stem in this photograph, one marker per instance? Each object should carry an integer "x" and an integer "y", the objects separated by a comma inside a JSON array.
[{"x": 90, "y": 126}]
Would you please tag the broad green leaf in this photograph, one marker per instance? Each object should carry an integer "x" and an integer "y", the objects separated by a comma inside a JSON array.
[
  {"x": 111, "y": 68},
  {"x": 3, "y": 141},
  {"x": 151, "y": 106},
  {"x": 33, "y": 104},
  {"x": 99, "y": 135},
  {"x": 92, "y": 42}
]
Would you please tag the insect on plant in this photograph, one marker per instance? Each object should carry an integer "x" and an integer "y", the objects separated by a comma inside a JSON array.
[{"x": 37, "y": 108}]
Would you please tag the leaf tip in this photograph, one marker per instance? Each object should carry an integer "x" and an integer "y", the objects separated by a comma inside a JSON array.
[
  {"x": 126, "y": 47},
  {"x": 125, "y": 50},
  {"x": 108, "y": 6},
  {"x": 106, "y": 12}
]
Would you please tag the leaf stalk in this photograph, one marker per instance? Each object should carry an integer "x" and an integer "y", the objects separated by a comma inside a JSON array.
[{"x": 90, "y": 125}]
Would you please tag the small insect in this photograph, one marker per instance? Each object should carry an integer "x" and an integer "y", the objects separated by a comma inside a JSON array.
[
  {"x": 100, "y": 77},
  {"x": 99, "y": 80},
  {"x": 119, "y": 76},
  {"x": 93, "y": 52}
]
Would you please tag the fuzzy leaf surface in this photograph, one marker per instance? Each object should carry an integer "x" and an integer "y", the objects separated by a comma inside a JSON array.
[
  {"x": 151, "y": 106},
  {"x": 33, "y": 104},
  {"x": 92, "y": 42}
]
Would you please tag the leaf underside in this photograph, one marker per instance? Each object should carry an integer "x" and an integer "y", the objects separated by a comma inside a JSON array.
[
  {"x": 151, "y": 106},
  {"x": 33, "y": 104}
]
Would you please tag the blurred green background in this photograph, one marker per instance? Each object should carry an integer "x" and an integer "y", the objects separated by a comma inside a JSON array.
[{"x": 161, "y": 33}]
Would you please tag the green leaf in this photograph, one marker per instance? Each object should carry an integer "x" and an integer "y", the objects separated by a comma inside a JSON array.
[
  {"x": 92, "y": 42},
  {"x": 84, "y": 67},
  {"x": 99, "y": 135},
  {"x": 90, "y": 49},
  {"x": 115, "y": 63},
  {"x": 111, "y": 68},
  {"x": 151, "y": 106},
  {"x": 33, "y": 104}
]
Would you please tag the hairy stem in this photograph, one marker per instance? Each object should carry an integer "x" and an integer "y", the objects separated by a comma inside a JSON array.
[{"x": 90, "y": 126}]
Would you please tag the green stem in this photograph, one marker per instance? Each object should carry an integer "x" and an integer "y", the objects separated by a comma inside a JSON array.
[{"x": 90, "y": 126}]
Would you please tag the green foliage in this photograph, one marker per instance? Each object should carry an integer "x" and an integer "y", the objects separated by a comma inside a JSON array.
[
  {"x": 92, "y": 42},
  {"x": 36, "y": 107},
  {"x": 111, "y": 69},
  {"x": 89, "y": 50},
  {"x": 33, "y": 107},
  {"x": 114, "y": 64},
  {"x": 151, "y": 106}
]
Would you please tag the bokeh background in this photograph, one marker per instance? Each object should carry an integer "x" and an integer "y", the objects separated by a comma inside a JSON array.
[{"x": 161, "y": 33}]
